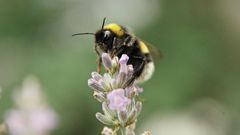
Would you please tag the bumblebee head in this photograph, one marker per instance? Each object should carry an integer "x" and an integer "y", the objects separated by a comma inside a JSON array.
[{"x": 104, "y": 37}]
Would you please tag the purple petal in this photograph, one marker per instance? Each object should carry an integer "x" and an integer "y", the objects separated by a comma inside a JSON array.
[
  {"x": 124, "y": 59},
  {"x": 117, "y": 100}
]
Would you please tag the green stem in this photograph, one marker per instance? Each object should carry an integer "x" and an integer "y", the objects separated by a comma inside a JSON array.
[{"x": 123, "y": 130}]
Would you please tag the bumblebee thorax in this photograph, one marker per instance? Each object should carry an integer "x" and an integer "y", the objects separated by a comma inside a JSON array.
[{"x": 115, "y": 28}]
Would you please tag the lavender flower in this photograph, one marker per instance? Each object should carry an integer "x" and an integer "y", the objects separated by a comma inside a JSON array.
[
  {"x": 31, "y": 115},
  {"x": 119, "y": 98}
]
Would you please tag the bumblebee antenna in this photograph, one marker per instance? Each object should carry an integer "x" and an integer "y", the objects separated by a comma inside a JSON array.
[
  {"x": 83, "y": 34},
  {"x": 87, "y": 33},
  {"x": 104, "y": 19}
]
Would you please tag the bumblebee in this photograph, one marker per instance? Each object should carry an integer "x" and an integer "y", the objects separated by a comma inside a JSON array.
[{"x": 117, "y": 40}]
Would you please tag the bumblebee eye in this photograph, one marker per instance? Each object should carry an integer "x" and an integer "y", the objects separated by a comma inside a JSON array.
[{"x": 106, "y": 35}]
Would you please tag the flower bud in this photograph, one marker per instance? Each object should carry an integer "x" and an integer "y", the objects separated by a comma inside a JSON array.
[
  {"x": 107, "y": 61},
  {"x": 123, "y": 68},
  {"x": 107, "y": 79},
  {"x": 132, "y": 115},
  {"x": 105, "y": 85},
  {"x": 121, "y": 78},
  {"x": 130, "y": 107},
  {"x": 124, "y": 59},
  {"x": 122, "y": 116},
  {"x": 114, "y": 84},
  {"x": 130, "y": 71},
  {"x": 107, "y": 111},
  {"x": 96, "y": 76},
  {"x": 95, "y": 85},
  {"x": 138, "y": 107},
  {"x": 99, "y": 96},
  {"x": 115, "y": 62},
  {"x": 105, "y": 120}
]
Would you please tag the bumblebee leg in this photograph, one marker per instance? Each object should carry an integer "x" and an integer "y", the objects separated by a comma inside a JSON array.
[
  {"x": 114, "y": 48},
  {"x": 99, "y": 61}
]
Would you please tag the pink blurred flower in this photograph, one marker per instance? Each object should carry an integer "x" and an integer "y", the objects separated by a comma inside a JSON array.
[
  {"x": 31, "y": 115},
  {"x": 38, "y": 122}
]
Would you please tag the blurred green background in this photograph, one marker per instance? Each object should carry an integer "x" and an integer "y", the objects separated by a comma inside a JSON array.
[{"x": 198, "y": 38}]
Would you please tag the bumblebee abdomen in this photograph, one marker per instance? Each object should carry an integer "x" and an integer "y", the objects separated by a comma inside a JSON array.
[
  {"x": 146, "y": 73},
  {"x": 141, "y": 59},
  {"x": 149, "y": 67}
]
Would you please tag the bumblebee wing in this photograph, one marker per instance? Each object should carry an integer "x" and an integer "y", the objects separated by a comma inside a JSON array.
[{"x": 154, "y": 51}]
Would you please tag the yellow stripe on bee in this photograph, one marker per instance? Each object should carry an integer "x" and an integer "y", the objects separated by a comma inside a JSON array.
[
  {"x": 143, "y": 47},
  {"x": 117, "y": 29}
]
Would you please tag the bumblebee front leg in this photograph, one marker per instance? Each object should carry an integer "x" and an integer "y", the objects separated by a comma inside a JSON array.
[{"x": 99, "y": 61}]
